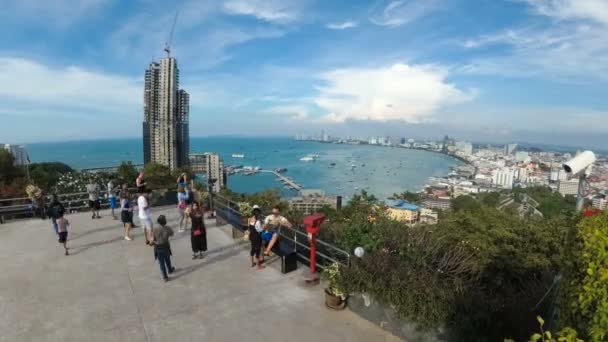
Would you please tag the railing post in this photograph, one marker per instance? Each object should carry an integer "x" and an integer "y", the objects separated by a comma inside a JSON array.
[{"x": 313, "y": 225}]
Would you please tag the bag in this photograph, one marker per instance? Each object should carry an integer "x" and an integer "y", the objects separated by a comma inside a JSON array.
[
  {"x": 198, "y": 232},
  {"x": 182, "y": 205}
]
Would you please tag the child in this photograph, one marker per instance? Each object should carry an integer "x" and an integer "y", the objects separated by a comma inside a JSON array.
[
  {"x": 62, "y": 230},
  {"x": 162, "y": 248}
]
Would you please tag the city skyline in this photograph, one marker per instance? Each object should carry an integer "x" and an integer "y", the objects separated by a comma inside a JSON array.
[{"x": 530, "y": 71}]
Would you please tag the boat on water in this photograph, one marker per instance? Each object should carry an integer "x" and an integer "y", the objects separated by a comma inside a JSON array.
[
  {"x": 280, "y": 170},
  {"x": 238, "y": 155},
  {"x": 332, "y": 164},
  {"x": 307, "y": 159}
]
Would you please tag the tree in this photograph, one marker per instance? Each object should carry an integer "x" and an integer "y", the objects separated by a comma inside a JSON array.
[
  {"x": 411, "y": 197},
  {"x": 46, "y": 175},
  {"x": 159, "y": 176},
  {"x": 8, "y": 170},
  {"x": 465, "y": 203},
  {"x": 127, "y": 172}
]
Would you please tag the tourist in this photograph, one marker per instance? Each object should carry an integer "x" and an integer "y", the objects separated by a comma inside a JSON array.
[
  {"x": 127, "y": 195},
  {"x": 272, "y": 224},
  {"x": 255, "y": 227},
  {"x": 112, "y": 196},
  {"x": 140, "y": 183},
  {"x": 56, "y": 210},
  {"x": 93, "y": 190},
  {"x": 126, "y": 213},
  {"x": 198, "y": 233},
  {"x": 62, "y": 231},
  {"x": 162, "y": 247},
  {"x": 182, "y": 180},
  {"x": 181, "y": 207},
  {"x": 144, "y": 215}
]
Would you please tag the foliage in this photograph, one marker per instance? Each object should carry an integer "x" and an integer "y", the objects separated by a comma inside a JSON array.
[
  {"x": 333, "y": 276},
  {"x": 465, "y": 203},
  {"x": 46, "y": 175},
  {"x": 8, "y": 170},
  {"x": 551, "y": 204},
  {"x": 126, "y": 173},
  {"x": 159, "y": 176},
  {"x": 585, "y": 289},
  {"x": 244, "y": 208},
  {"x": 565, "y": 335},
  {"x": 410, "y": 197}
]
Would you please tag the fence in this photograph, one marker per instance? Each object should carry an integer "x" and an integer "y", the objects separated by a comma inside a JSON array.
[{"x": 296, "y": 237}]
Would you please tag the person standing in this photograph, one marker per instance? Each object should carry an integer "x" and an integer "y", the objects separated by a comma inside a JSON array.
[
  {"x": 56, "y": 210},
  {"x": 62, "y": 231},
  {"x": 126, "y": 213},
  {"x": 144, "y": 216},
  {"x": 127, "y": 195},
  {"x": 198, "y": 232},
  {"x": 140, "y": 183},
  {"x": 162, "y": 247},
  {"x": 181, "y": 207},
  {"x": 112, "y": 196},
  {"x": 273, "y": 224},
  {"x": 255, "y": 227},
  {"x": 93, "y": 190}
]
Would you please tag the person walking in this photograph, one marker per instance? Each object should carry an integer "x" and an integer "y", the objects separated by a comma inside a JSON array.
[
  {"x": 93, "y": 190},
  {"x": 62, "y": 231},
  {"x": 198, "y": 232},
  {"x": 56, "y": 210},
  {"x": 127, "y": 195},
  {"x": 144, "y": 216},
  {"x": 255, "y": 227},
  {"x": 181, "y": 207},
  {"x": 111, "y": 193},
  {"x": 126, "y": 213},
  {"x": 162, "y": 247}
]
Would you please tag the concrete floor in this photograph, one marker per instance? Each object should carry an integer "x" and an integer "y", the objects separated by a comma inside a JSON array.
[{"x": 109, "y": 289}]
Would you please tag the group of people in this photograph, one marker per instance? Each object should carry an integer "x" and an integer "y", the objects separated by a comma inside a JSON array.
[{"x": 263, "y": 233}]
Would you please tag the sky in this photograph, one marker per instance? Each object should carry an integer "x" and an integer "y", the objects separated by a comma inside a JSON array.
[{"x": 482, "y": 70}]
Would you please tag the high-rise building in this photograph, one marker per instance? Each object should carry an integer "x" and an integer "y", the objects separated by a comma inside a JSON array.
[
  {"x": 18, "y": 153},
  {"x": 215, "y": 171},
  {"x": 522, "y": 157},
  {"x": 166, "y": 116},
  {"x": 504, "y": 178},
  {"x": 568, "y": 187},
  {"x": 510, "y": 149}
]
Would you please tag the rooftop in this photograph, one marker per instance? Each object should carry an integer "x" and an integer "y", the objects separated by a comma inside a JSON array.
[
  {"x": 400, "y": 204},
  {"x": 109, "y": 289}
]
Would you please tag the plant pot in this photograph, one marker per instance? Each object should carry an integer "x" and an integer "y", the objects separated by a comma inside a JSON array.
[{"x": 334, "y": 302}]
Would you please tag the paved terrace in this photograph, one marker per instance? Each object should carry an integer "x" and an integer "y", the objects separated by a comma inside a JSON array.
[{"x": 110, "y": 290}]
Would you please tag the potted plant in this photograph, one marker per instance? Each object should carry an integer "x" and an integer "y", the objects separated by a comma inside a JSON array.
[
  {"x": 335, "y": 294},
  {"x": 245, "y": 211}
]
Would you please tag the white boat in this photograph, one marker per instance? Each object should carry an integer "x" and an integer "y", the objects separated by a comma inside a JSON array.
[
  {"x": 307, "y": 158},
  {"x": 237, "y": 155}
]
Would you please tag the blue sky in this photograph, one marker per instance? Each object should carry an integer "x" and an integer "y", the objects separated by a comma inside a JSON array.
[{"x": 486, "y": 70}]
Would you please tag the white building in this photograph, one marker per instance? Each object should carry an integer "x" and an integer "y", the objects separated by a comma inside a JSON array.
[
  {"x": 18, "y": 153},
  {"x": 504, "y": 178},
  {"x": 568, "y": 187},
  {"x": 464, "y": 147},
  {"x": 600, "y": 203},
  {"x": 311, "y": 201},
  {"x": 215, "y": 171},
  {"x": 166, "y": 110}
]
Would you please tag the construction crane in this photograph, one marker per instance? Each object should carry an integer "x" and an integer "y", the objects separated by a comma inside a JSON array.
[{"x": 170, "y": 38}]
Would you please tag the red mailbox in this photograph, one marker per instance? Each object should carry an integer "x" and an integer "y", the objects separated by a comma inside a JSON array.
[{"x": 313, "y": 225}]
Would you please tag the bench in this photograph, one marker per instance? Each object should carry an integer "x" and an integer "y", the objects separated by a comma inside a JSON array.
[
  {"x": 288, "y": 256},
  {"x": 14, "y": 210}
]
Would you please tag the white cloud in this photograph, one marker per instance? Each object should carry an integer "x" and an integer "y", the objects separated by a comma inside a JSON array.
[
  {"x": 29, "y": 87},
  {"x": 401, "y": 12},
  {"x": 596, "y": 10},
  {"x": 397, "y": 92},
  {"x": 291, "y": 111},
  {"x": 342, "y": 26},
  {"x": 274, "y": 11},
  {"x": 573, "y": 49}
]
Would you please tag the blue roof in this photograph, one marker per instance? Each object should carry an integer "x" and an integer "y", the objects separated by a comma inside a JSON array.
[{"x": 400, "y": 204}]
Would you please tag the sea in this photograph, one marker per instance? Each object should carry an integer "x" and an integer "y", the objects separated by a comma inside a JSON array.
[{"x": 340, "y": 169}]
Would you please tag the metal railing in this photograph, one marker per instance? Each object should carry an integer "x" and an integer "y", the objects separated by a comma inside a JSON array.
[{"x": 296, "y": 236}]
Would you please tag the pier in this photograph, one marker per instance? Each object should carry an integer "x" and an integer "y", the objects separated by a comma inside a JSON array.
[{"x": 285, "y": 180}]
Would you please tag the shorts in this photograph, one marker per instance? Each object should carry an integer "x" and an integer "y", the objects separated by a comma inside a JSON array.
[
  {"x": 125, "y": 216},
  {"x": 112, "y": 202},
  {"x": 63, "y": 237},
  {"x": 146, "y": 223},
  {"x": 267, "y": 236},
  {"x": 94, "y": 204},
  {"x": 141, "y": 189}
]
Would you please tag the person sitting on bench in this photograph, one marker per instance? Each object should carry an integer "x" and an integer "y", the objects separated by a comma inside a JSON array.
[{"x": 272, "y": 225}]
